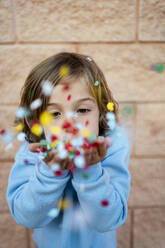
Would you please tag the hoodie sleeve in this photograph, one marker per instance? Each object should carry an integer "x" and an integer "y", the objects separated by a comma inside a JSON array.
[
  {"x": 33, "y": 189},
  {"x": 106, "y": 182}
]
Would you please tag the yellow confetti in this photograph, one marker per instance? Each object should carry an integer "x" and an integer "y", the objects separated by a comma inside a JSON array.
[
  {"x": 110, "y": 106},
  {"x": 63, "y": 204},
  {"x": 55, "y": 129},
  {"x": 37, "y": 129},
  {"x": 54, "y": 143},
  {"x": 46, "y": 118},
  {"x": 85, "y": 132},
  {"x": 64, "y": 71},
  {"x": 19, "y": 127}
]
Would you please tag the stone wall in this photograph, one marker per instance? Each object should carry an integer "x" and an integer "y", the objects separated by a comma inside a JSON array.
[{"x": 126, "y": 39}]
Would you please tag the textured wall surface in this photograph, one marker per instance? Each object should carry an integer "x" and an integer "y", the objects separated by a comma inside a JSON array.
[{"x": 125, "y": 38}]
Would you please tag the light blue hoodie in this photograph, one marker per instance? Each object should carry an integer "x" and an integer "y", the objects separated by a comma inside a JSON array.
[{"x": 33, "y": 190}]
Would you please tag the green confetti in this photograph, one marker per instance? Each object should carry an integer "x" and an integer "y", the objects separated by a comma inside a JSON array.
[
  {"x": 85, "y": 175},
  {"x": 160, "y": 68},
  {"x": 127, "y": 110}
]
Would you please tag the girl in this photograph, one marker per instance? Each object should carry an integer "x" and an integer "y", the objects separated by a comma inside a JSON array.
[{"x": 70, "y": 180}]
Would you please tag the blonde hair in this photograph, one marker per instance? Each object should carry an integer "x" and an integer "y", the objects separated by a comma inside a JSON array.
[{"x": 79, "y": 66}]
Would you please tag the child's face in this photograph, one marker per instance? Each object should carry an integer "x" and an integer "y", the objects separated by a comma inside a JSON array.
[{"x": 86, "y": 110}]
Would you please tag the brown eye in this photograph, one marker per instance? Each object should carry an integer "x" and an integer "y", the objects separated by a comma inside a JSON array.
[
  {"x": 56, "y": 114},
  {"x": 84, "y": 110}
]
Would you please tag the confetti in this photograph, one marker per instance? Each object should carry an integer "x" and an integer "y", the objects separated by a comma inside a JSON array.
[
  {"x": 22, "y": 112},
  {"x": 46, "y": 118},
  {"x": 55, "y": 166},
  {"x": 55, "y": 129},
  {"x": 96, "y": 83},
  {"x": 79, "y": 125},
  {"x": 86, "y": 123},
  {"x": 7, "y": 137},
  {"x": 21, "y": 136},
  {"x": 58, "y": 173},
  {"x": 69, "y": 97},
  {"x": 79, "y": 161},
  {"x": 85, "y": 175},
  {"x": 36, "y": 104},
  {"x": 110, "y": 106},
  {"x": 112, "y": 125},
  {"x": 157, "y": 67},
  {"x": 26, "y": 161},
  {"x": 47, "y": 87},
  {"x": 127, "y": 111},
  {"x": 104, "y": 203},
  {"x": 85, "y": 132},
  {"x": 66, "y": 87},
  {"x": 53, "y": 212},
  {"x": 19, "y": 127},
  {"x": 36, "y": 129},
  {"x": 89, "y": 59},
  {"x": 63, "y": 204},
  {"x": 82, "y": 187},
  {"x": 71, "y": 114},
  {"x": 110, "y": 116},
  {"x": 64, "y": 71}
]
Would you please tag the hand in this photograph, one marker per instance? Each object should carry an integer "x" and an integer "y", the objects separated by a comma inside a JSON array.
[
  {"x": 96, "y": 154},
  {"x": 52, "y": 157}
]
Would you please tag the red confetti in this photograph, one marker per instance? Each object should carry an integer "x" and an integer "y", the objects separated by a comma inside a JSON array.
[
  {"x": 69, "y": 97},
  {"x": 105, "y": 203},
  {"x": 66, "y": 87},
  {"x": 86, "y": 123},
  {"x": 58, "y": 173},
  {"x": 26, "y": 161},
  {"x": 66, "y": 125},
  {"x": 53, "y": 138},
  {"x": 44, "y": 149},
  {"x": 77, "y": 153},
  {"x": 2, "y": 132}
]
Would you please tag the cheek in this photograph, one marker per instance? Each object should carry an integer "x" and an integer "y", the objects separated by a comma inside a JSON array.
[{"x": 92, "y": 123}]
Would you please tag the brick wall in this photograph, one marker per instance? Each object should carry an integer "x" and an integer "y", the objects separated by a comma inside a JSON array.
[{"x": 125, "y": 38}]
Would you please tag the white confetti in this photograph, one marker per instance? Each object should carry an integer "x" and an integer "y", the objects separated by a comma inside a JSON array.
[
  {"x": 71, "y": 114},
  {"x": 110, "y": 116},
  {"x": 21, "y": 136},
  {"x": 79, "y": 125},
  {"x": 89, "y": 59},
  {"x": 53, "y": 212},
  {"x": 47, "y": 87},
  {"x": 112, "y": 125},
  {"x": 77, "y": 141},
  {"x": 36, "y": 104},
  {"x": 55, "y": 166},
  {"x": 22, "y": 112},
  {"x": 82, "y": 187},
  {"x": 79, "y": 161},
  {"x": 7, "y": 138}
]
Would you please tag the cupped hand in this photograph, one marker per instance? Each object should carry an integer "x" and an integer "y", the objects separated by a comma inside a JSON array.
[
  {"x": 98, "y": 152},
  {"x": 52, "y": 157}
]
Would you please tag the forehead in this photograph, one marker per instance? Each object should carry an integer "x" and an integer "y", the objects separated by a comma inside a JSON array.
[{"x": 77, "y": 88}]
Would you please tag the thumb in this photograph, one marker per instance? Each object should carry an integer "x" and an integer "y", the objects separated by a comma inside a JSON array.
[
  {"x": 108, "y": 141},
  {"x": 34, "y": 147}
]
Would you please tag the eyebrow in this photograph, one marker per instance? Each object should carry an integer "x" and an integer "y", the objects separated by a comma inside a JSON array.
[{"x": 80, "y": 100}]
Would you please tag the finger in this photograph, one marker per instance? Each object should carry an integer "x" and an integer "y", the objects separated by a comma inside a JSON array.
[
  {"x": 108, "y": 141},
  {"x": 50, "y": 157},
  {"x": 34, "y": 147},
  {"x": 102, "y": 148}
]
